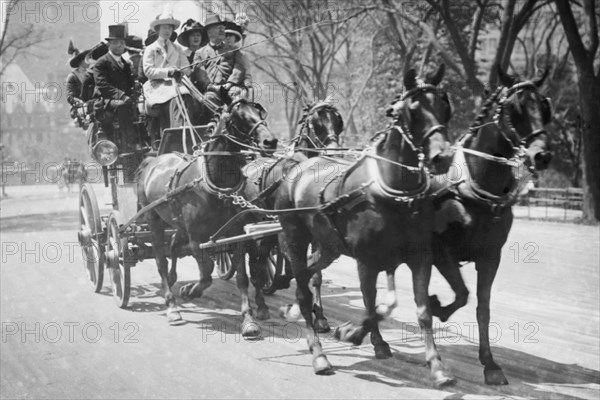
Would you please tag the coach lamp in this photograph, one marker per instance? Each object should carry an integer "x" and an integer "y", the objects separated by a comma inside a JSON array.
[{"x": 105, "y": 153}]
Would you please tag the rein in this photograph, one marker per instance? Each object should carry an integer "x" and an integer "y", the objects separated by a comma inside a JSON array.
[{"x": 470, "y": 189}]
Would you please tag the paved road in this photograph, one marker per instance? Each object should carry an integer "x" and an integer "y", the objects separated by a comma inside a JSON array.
[{"x": 60, "y": 340}]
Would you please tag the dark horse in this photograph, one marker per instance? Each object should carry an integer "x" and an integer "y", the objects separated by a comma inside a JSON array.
[
  {"x": 197, "y": 190},
  {"x": 474, "y": 215},
  {"x": 318, "y": 130},
  {"x": 375, "y": 211}
]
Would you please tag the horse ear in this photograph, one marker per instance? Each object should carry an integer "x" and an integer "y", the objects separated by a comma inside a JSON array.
[
  {"x": 410, "y": 79},
  {"x": 436, "y": 78},
  {"x": 504, "y": 78},
  {"x": 540, "y": 80}
]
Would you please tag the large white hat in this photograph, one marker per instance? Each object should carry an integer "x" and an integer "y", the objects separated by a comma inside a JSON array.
[{"x": 166, "y": 18}]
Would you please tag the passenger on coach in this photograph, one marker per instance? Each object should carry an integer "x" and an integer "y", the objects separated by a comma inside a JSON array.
[
  {"x": 218, "y": 65},
  {"x": 75, "y": 79},
  {"x": 235, "y": 34},
  {"x": 162, "y": 61},
  {"x": 192, "y": 38},
  {"x": 88, "y": 86},
  {"x": 115, "y": 82},
  {"x": 150, "y": 38}
]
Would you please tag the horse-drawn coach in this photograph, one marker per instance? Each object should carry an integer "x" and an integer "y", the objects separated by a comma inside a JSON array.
[{"x": 222, "y": 192}]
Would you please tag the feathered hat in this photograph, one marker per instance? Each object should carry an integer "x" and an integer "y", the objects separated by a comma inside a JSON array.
[
  {"x": 186, "y": 30},
  {"x": 76, "y": 56},
  {"x": 237, "y": 27}
]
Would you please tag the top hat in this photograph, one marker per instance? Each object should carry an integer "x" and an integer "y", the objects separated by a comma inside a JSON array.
[
  {"x": 212, "y": 19},
  {"x": 166, "y": 18},
  {"x": 187, "y": 29},
  {"x": 116, "y": 32}
]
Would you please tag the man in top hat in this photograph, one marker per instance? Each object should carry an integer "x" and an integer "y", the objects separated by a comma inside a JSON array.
[
  {"x": 192, "y": 38},
  {"x": 218, "y": 66},
  {"x": 115, "y": 82},
  {"x": 162, "y": 62}
]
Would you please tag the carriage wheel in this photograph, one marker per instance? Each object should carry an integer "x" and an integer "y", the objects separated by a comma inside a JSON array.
[
  {"x": 117, "y": 257},
  {"x": 274, "y": 268},
  {"x": 224, "y": 265},
  {"x": 90, "y": 227}
]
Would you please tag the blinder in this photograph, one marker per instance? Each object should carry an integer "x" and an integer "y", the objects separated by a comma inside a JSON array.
[{"x": 262, "y": 113}]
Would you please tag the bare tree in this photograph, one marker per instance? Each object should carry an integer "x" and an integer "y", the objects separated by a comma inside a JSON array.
[
  {"x": 585, "y": 56},
  {"x": 17, "y": 38},
  {"x": 303, "y": 42}
]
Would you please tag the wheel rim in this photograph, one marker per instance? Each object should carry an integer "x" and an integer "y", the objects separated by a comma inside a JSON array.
[
  {"x": 274, "y": 268},
  {"x": 89, "y": 220},
  {"x": 224, "y": 265},
  {"x": 119, "y": 272},
  {"x": 271, "y": 268}
]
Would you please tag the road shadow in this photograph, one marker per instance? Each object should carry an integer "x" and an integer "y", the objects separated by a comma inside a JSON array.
[{"x": 529, "y": 376}]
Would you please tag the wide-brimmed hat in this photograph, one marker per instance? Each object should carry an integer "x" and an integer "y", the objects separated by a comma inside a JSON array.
[
  {"x": 134, "y": 41},
  {"x": 187, "y": 29},
  {"x": 166, "y": 18},
  {"x": 76, "y": 56},
  {"x": 212, "y": 19},
  {"x": 97, "y": 51},
  {"x": 231, "y": 28},
  {"x": 153, "y": 35},
  {"x": 116, "y": 32}
]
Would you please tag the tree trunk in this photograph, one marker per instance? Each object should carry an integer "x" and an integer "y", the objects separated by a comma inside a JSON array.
[{"x": 589, "y": 93}]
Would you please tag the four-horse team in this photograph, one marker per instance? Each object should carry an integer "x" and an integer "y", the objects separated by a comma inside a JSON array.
[{"x": 187, "y": 153}]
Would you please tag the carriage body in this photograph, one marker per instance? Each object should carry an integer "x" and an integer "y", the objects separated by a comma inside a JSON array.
[{"x": 116, "y": 241}]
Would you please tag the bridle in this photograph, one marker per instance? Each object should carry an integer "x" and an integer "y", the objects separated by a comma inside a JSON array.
[
  {"x": 500, "y": 112},
  {"x": 307, "y": 129},
  {"x": 245, "y": 139},
  {"x": 404, "y": 130}
]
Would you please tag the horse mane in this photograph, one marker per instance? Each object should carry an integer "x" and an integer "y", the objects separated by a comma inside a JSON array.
[
  {"x": 140, "y": 169},
  {"x": 483, "y": 113}
]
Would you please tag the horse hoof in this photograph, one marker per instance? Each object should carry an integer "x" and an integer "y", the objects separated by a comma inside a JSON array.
[
  {"x": 495, "y": 377},
  {"x": 262, "y": 314},
  {"x": 281, "y": 282},
  {"x": 322, "y": 366},
  {"x": 184, "y": 292},
  {"x": 348, "y": 333},
  {"x": 382, "y": 309},
  {"x": 250, "y": 330},
  {"x": 382, "y": 351},
  {"x": 290, "y": 312},
  {"x": 322, "y": 326},
  {"x": 441, "y": 378},
  {"x": 174, "y": 318}
]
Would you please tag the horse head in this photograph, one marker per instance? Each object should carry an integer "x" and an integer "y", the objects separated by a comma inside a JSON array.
[
  {"x": 247, "y": 123},
  {"x": 523, "y": 112},
  {"x": 320, "y": 127},
  {"x": 421, "y": 113}
]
